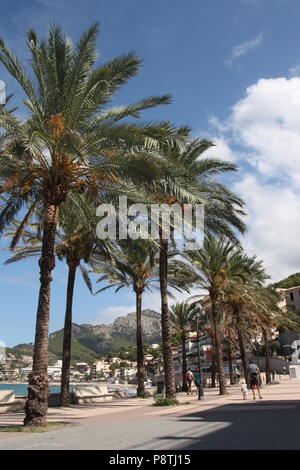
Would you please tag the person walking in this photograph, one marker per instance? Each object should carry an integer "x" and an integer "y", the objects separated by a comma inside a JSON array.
[
  {"x": 189, "y": 381},
  {"x": 255, "y": 378},
  {"x": 244, "y": 389},
  {"x": 273, "y": 375}
]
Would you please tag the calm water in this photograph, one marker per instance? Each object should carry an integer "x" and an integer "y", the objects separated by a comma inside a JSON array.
[{"x": 21, "y": 389}]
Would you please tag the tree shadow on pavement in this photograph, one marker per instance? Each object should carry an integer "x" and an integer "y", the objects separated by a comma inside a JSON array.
[{"x": 252, "y": 425}]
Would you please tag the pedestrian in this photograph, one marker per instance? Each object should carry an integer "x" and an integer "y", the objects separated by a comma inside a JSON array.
[
  {"x": 244, "y": 390},
  {"x": 255, "y": 379},
  {"x": 238, "y": 376},
  {"x": 273, "y": 375},
  {"x": 189, "y": 381}
]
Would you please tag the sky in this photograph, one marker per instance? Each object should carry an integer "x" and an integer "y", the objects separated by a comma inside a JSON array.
[{"x": 233, "y": 69}]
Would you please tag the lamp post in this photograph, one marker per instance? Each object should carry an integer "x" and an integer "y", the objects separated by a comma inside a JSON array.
[{"x": 200, "y": 384}]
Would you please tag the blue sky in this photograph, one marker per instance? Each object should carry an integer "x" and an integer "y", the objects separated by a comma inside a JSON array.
[{"x": 232, "y": 68}]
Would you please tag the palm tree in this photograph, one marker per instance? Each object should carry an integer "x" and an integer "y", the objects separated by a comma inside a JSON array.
[
  {"x": 274, "y": 319},
  {"x": 70, "y": 141},
  {"x": 240, "y": 295},
  {"x": 76, "y": 244},
  {"x": 196, "y": 184},
  {"x": 137, "y": 266},
  {"x": 217, "y": 263},
  {"x": 181, "y": 316}
]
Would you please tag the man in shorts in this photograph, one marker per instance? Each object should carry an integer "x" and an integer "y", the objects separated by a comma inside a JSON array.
[
  {"x": 255, "y": 378},
  {"x": 189, "y": 380}
]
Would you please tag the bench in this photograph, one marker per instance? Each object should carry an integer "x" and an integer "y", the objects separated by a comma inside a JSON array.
[
  {"x": 91, "y": 394},
  {"x": 8, "y": 402}
]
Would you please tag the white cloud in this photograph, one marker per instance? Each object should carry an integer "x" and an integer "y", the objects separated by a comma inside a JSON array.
[
  {"x": 244, "y": 48},
  {"x": 295, "y": 71},
  {"x": 265, "y": 125},
  {"x": 109, "y": 314},
  {"x": 221, "y": 149},
  {"x": 150, "y": 300},
  {"x": 273, "y": 221}
]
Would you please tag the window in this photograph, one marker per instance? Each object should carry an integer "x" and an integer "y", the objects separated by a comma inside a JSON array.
[{"x": 292, "y": 296}]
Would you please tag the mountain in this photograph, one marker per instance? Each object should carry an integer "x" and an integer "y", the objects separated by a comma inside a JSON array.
[
  {"x": 291, "y": 281},
  {"x": 90, "y": 341}
]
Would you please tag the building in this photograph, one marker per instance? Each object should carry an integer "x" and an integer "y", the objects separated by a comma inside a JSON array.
[
  {"x": 192, "y": 352},
  {"x": 54, "y": 371},
  {"x": 112, "y": 360},
  {"x": 25, "y": 371},
  {"x": 82, "y": 367},
  {"x": 100, "y": 367},
  {"x": 290, "y": 298},
  {"x": 27, "y": 360},
  {"x": 127, "y": 373}
]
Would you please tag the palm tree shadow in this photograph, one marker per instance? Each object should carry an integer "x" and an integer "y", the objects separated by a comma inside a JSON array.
[{"x": 244, "y": 426}]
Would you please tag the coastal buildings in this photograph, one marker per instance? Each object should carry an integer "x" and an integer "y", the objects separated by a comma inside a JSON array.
[
  {"x": 54, "y": 371},
  {"x": 290, "y": 299}
]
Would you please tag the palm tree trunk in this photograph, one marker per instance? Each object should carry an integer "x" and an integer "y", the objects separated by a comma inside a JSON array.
[
  {"x": 229, "y": 356},
  {"x": 65, "y": 371},
  {"x": 242, "y": 345},
  {"x": 213, "y": 364},
  {"x": 139, "y": 345},
  {"x": 218, "y": 349},
  {"x": 184, "y": 365},
  {"x": 267, "y": 353},
  {"x": 165, "y": 321},
  {"x": 38, "y": 387}
]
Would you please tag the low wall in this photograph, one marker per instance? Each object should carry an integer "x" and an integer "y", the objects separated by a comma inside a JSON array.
[{"x": 9, "y": 403}]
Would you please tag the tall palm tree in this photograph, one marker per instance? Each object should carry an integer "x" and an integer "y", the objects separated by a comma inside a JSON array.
[
  {"x": 217, "y": 263},
  {"x": 181, "y": 315},
  {"x": 274, "y": 320},
  {"x": 70, "y": 141},
  {"x": 196, "y": 184},
  {"x": 137, "y": 266},
  {"x": 244, "y": 298},
  {"x": 76, "y": 244}
]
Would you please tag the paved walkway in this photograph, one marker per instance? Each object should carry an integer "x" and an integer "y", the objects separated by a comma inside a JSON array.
[{"x": 225, "y": 422}]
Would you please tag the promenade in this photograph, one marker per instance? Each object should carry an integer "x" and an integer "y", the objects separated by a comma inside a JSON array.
[{"x": 217, "y": 422}]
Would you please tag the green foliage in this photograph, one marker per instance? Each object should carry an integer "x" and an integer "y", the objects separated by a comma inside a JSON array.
[
  {"x": 78, "y": 351},
  {"x": 114, "y": 366},
  {"x": 159, "y": 400},
  {"x": 291, "y": 281},
  {"x": 22, "y": 428}
]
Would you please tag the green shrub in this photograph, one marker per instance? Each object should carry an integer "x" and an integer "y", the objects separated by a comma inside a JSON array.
[{"x": 160, "y": 400}]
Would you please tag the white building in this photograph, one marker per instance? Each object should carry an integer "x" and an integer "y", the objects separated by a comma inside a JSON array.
[
  {"x": 25, "y": 371},
  {"x": 290, "y": 297},
  {"x": 54, "y": 371}
]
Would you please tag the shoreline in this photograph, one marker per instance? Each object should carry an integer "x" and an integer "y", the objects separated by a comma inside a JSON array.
[{"x": 74, "y": 384}]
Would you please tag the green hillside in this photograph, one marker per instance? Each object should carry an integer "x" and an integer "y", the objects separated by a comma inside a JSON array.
[
  {"x": 91, "y": 341},
  {"x": 79, "y": 351},
  {"x": 291, "y": 281},
  {"x": 21, "y": 350}
]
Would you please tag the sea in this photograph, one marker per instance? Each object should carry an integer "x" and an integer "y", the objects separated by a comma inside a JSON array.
[{"x": 21, "y": 389}]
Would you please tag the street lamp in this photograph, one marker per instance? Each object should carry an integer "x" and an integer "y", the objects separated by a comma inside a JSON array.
[{"x": 200, "y": 384}]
